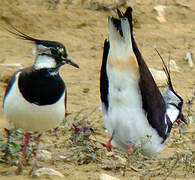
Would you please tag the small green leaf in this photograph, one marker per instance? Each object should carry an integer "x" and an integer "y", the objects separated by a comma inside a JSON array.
[
  {"x": 4, "y": 146},
  {"x": 16, "y": 146}
]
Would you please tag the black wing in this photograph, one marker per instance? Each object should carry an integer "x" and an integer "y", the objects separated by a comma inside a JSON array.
[
  {"x": 153, "y": 102},
  {"x": 103, "y": 76}
]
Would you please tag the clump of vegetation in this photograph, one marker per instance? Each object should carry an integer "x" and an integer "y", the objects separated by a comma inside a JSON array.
[
  {"x": 85, "y": 148},
  {"x": 81, "y": 146},
  {"x": 10, "y": 148}
]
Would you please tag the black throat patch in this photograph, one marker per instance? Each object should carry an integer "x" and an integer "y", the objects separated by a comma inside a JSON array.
[{"x": 41, "y": 88}]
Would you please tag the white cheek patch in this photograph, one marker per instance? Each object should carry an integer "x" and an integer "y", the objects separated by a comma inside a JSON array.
[
  {"x": 170, "y": 97},
  {"x": 44, "y": 61},
  {"x": 172, "y": 112},
  {"x": 41, "y": 48}
]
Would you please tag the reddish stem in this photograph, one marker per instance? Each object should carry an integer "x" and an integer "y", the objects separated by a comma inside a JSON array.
[{"x": 27, "y": 137}]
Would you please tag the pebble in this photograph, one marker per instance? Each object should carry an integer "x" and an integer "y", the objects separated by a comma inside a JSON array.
[
  {"x": 60, "y": 158},
  {"x": 107, "y": 177},
  {"x": 121, "y": 160},
  {"x": 191, "y": 119},
  {"x": 110, "y": 154},
  {"x": 188, "y": 57},
  {"x": 159, "y": 76},
  {"x": 47, "y": 172},
  {"x": 173, "y": 66},
  {"x": 44, "y": 155},
  {"x": 160, "y": 9}
]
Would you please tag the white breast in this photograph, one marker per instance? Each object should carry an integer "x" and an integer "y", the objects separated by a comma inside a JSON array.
[
  {"x": 31, "y": 117},
  {"x": 125, "y": 116}
]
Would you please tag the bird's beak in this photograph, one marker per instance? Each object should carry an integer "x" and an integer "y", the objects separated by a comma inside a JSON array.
[
  {"x": 68, "y": 61},
  {"x": 182, "y": 118}
]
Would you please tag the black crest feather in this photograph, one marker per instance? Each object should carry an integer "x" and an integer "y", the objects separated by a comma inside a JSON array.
[
  {"x": 21, "y": 35},
  {"x": 166, "y": 70}
]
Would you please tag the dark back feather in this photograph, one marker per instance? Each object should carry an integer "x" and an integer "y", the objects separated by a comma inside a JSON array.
[
  {"x": 103, "y": 76},
  {"x": 153, "y": 102}
]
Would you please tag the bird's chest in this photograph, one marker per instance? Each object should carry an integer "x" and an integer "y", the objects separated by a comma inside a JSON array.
[
  {"x": 40, "y": 88},
  {"x": 123, "y": 89},
  {"x": 30, "y": 116},
  {"x": 125, "y": 115}
]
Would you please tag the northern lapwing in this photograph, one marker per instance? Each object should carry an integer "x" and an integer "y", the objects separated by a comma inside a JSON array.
[
  {"x": 135, "y": 112},
  {"x": 36, "y": 97}
]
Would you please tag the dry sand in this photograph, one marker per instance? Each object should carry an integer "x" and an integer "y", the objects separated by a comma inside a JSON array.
[{"x": 83, "y": 30}]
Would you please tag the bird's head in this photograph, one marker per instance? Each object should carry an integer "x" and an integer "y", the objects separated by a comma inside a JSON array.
[
  {"x": 174, "y": 102},
  {"x": 50, "y": 54}
]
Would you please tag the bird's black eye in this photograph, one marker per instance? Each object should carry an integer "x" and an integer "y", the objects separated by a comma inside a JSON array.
[
  {"x": 54, "y": 52},
  {"x": 180, "y": 104}
]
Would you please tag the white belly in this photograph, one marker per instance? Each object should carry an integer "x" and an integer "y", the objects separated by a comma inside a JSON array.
[
  {"x": 32, "y": 117},
  {"x": 126, "y": 118}
]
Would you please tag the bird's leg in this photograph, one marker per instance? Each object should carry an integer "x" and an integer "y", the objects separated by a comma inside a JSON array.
[
  {"x": 35, "y": 152},
  {"x": 26, "y": 143},
  {"x": 108, "y": 145},
  {"x": 27, "y": 137},
  {"x": 7, "y": 150}
]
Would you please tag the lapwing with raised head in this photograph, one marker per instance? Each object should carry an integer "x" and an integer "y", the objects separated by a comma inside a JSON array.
[
  {"x": 36, "y": 97},
  {"x": 135, "y": 112}
]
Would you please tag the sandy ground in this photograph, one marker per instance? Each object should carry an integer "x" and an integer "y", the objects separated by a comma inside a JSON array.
[{"x": 83, "y": 28}]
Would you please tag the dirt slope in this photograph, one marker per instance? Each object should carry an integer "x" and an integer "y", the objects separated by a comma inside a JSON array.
[{"x": 83, "y": 29}]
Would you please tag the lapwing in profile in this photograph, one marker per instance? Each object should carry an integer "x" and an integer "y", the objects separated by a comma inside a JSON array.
[
  {"x": 36, "y": 97},
  {"x": 135, "y": 112}
]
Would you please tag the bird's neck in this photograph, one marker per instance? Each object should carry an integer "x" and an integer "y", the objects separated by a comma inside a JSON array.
[{"x": 44, "y": 61}]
